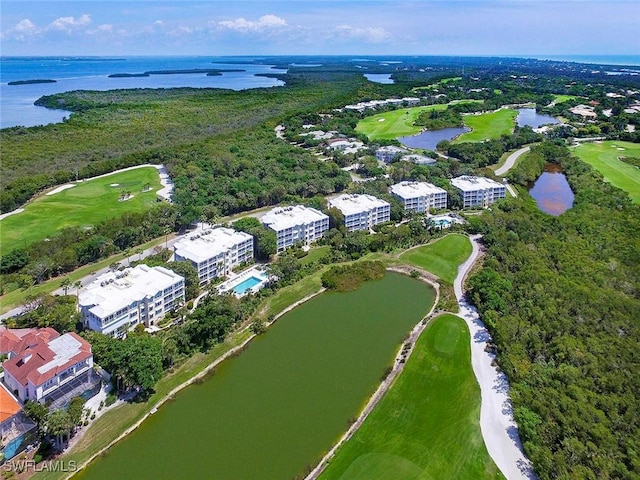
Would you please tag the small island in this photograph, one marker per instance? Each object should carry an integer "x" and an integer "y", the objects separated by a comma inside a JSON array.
[
  {"x": 29, "y": 82},
  {"x": 128, "y": 75},
  {"x": 209, "y": 72}
]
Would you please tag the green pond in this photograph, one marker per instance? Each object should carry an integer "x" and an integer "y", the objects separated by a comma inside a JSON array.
[{"x": 275, "y": 410}]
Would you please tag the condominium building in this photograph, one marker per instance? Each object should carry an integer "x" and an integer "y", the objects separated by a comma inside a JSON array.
[
  {"x": 361, "y": 212},
  {"x": 214, "y": 252},
  {"x": 388, "y": 153},
  {"x": 419, "y": 196},
  {"x": 297, "y": 224},
  {"x": 42, "y": 363},
  {"x": 479, "y": 191},
  {"x": 118, "y": 301}
]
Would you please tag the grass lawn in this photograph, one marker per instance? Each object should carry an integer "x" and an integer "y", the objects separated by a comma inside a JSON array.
[
  {"x": 604, "y": 158},
  {"x": 394, "y": 124},
  {"x": 315, "y": 254},
  {"x": 84, "y": 205},
  {"x": 563, "y": 98},
  {"x": 441, "y": 257},
  {"x": 397, "y": 123},
  {"x": 488, "y": 125},
  {"x": 427, "y": 425},
  {"x": 444, "y": 81}
]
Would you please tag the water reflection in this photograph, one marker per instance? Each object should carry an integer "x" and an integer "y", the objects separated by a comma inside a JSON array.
[{"x": 551, "y": 191}]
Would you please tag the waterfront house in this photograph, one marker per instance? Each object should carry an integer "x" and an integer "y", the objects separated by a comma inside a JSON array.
[{"x": 41, "y": 365}]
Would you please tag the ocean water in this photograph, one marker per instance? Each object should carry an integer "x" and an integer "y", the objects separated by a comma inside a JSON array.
[
  {"x": 628, "y": 60},
  {"x": 92, "y": 73}
]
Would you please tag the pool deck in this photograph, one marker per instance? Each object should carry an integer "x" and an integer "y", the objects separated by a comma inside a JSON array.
[{"x": 236, "y": 279}]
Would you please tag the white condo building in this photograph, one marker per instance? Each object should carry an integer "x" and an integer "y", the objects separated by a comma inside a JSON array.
[
  {"x": 478, "y": 191},
  {"x": 420, "y": 196},
  {"x": 297, "y": 224},
  {"x": 361, "y": 212},
  {"x": 214, "y": 252},
  {"x": 118, "y": 301}
]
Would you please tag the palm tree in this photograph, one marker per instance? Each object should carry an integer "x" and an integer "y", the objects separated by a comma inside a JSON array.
[
  {"x": 78, "y": 286},
  {"x": 66, "y": 285}
]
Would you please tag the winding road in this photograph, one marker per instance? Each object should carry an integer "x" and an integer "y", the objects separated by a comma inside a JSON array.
[
  {"x": 511, "y": 160},
  {"x": 499, "y": 429}
]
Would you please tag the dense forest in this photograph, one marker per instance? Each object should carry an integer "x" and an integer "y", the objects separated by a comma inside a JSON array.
[{"x": 561, "y": 296}]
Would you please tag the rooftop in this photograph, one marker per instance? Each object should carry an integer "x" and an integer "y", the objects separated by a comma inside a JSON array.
[
  {"x": 468, "y": 183},
  {"x": 115, "y": 290},
  {"x": 8, "y": 405},
  {"x": 285, "y": 217},
  {"x": 46, "y": 358},
  {"x": 415, "y": 189},
  {"x": 418, "y": 159},
  {"x": 392, "y": 149},
  {"x": 207, "y": 243},
  {"x": 352, "y": 204}
]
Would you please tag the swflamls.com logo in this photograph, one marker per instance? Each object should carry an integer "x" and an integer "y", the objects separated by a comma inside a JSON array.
[{"x": 46, "y": 466}]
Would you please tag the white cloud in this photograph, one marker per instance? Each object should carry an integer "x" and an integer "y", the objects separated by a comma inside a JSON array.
[
  {"x": 101, "y": 30},
  {"x": 22, "y": 30},
  {"x": 266, "y": 22},
  {"x": 370, "y": 35},
  {"x": 68, "y": 24}
]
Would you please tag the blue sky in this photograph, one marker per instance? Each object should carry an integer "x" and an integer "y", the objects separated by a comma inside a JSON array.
[{"x": 382, "y": 27}]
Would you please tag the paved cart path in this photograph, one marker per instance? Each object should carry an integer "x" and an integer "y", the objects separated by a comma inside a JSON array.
[{"x": 499, "y": 429}]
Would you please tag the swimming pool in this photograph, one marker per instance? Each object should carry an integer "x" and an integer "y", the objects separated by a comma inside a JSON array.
[{"x": 246, "y": 284}]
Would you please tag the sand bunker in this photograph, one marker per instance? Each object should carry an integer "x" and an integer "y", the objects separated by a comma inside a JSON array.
[{"x": 61, "y": 188}]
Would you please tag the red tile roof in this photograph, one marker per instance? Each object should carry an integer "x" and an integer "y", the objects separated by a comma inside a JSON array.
[
  {"x": 8, "y": 405},
  {"x": 25, "y": 367}
]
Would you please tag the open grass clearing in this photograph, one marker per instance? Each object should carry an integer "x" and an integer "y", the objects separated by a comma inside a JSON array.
[
  {"x": 397, "y": 123},
  {"x": 563, "y": 98},
  {"x": 315, "y": 254},
  {"x": 603, "y": 156},
  {"x": 427, "y": 424},
  {"x": 84, "y": 205},
  {"x": 444, "y": 81},
  {"x": 488, "y": 125},
  {"x": 441, "y": 257}
]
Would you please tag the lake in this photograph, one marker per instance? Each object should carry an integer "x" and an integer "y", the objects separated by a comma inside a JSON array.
[
  {"x": 384, "y": 78},
  {"x": 92, "y": 73},
  {"x": 274, "y": 410},
  {"x": 428, "y": 139},
  {"x": 530, "y": 118},
  {"x": 552, "y": 192}
]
